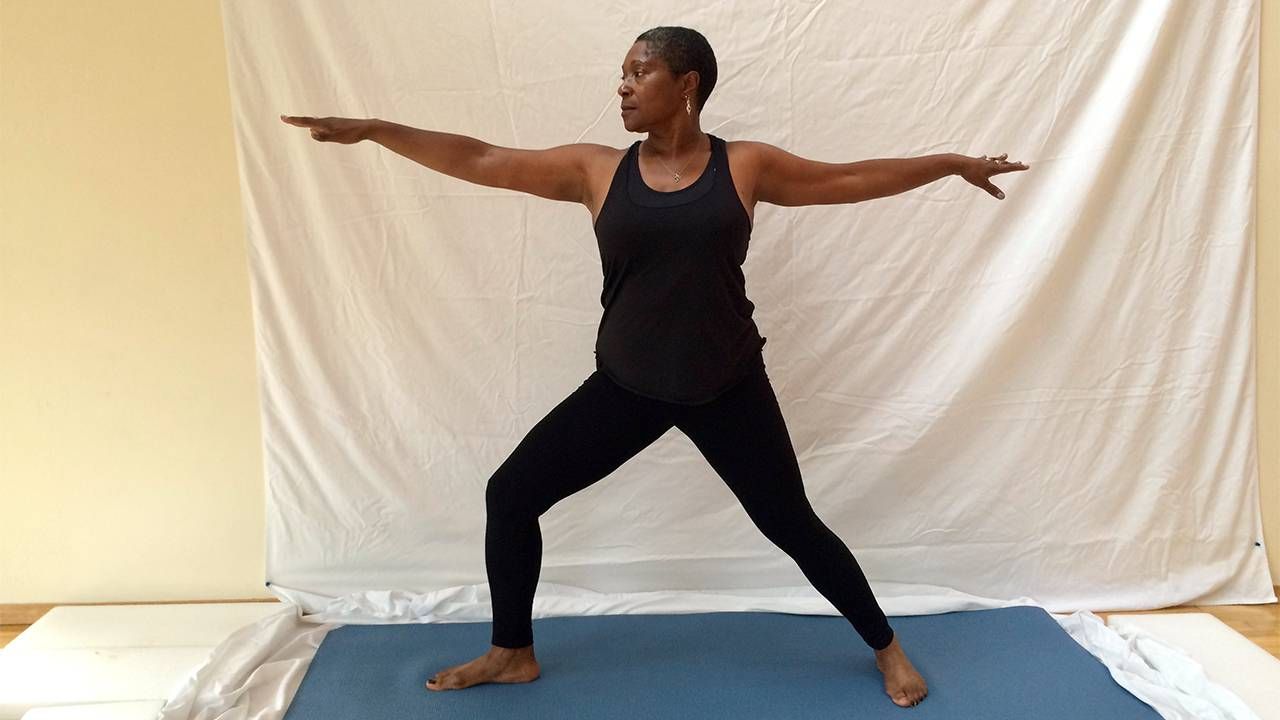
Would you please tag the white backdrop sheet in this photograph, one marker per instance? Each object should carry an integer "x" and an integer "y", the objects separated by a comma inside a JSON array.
[
  {"x": 1046, "y": 399},
  {"x": 1050, "y": 395}
]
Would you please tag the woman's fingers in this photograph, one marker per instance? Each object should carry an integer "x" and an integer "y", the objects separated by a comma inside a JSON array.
[
  {"x": 346, "y": 131},
  {"x": 1002, "y": 165},
  {"x": 990, "y": 166},
  {"x": 318, "y": 129}
]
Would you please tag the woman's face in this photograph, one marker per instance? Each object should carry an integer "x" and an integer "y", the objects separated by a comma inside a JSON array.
[{"x": 648, "y": 90}]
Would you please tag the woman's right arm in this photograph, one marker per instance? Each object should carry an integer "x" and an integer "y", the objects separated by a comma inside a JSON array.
[{"x": 558, "y": 173}]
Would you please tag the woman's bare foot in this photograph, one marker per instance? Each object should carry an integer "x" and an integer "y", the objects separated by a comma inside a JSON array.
[
  {"x": 501, "y": 665},
  {"x": 902, "y": 683}
]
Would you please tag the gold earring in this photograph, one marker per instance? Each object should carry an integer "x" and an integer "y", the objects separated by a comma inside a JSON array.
[{"x": 688, "y": 110}]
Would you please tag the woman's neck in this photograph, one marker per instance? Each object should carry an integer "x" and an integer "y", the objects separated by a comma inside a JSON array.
[{"x": 670, "y": 144}]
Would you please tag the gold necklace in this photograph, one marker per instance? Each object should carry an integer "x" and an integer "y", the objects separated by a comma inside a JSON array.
[{"x": 674, "y": 175}]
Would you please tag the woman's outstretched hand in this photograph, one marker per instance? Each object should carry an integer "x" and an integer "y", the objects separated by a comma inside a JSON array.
[
  {"x": 977, "y": 170},
  {"x": 332, "y": 129}
]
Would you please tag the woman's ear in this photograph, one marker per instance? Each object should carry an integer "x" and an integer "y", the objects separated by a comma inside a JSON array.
[{"x": 691, "y": 80}]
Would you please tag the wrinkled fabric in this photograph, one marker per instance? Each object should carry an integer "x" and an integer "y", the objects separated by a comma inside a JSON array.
[
  {"x": 1159, "y": 674},
  {"x": 252, "y": 674}
]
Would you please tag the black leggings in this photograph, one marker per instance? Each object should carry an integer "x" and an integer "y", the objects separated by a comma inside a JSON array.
[{"x": 600, "y": 426}]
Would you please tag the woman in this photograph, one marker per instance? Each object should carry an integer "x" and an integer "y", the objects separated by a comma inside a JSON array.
[{"x": 676, "y": 345}]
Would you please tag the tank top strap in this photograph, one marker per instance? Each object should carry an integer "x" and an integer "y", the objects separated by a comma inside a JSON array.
[
  {"x": 719, "y": 153},
  {"x": 719, "y": 160}
]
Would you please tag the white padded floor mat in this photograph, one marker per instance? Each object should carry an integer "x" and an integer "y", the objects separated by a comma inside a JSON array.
[
  {"x": 143, "y": 710},
  {"x": 115, "y": 626},
  {"x": 1228, "y": 658},
  {"x": 126, "y": 659}
]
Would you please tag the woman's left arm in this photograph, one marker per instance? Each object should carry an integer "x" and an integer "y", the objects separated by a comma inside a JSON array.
[{"x": 786, "y": 179}]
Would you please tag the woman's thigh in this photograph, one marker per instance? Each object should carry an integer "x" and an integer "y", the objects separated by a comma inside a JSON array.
[
  {"x": 743, "y": 436},
  {"x": 584, "y": 438}
]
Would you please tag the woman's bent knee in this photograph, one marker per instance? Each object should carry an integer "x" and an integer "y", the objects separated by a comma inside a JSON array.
[{"x": 508, "y": 498}]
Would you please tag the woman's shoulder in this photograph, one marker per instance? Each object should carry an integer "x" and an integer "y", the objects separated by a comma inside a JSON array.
[
  {"x": 746, "y": 148},
  {"x": 744, "y": 159},
  {"x": 602, "y": 158}
]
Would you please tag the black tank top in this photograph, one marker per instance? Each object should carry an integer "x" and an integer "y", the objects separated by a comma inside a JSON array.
[{"x": 677, "y": 323}]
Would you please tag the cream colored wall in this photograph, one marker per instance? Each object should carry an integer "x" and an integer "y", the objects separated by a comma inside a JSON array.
[
  {"x": 1268, "y": 283},
  {"x": 131, "y": 459},
  {"x": 130, "y": 454}
]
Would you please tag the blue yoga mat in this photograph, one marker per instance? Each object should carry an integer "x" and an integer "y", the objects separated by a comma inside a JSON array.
[{"x": 1014, "y": 663}]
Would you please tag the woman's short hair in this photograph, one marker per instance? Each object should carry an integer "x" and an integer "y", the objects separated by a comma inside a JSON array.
[{"x": 684, "y": 49}]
